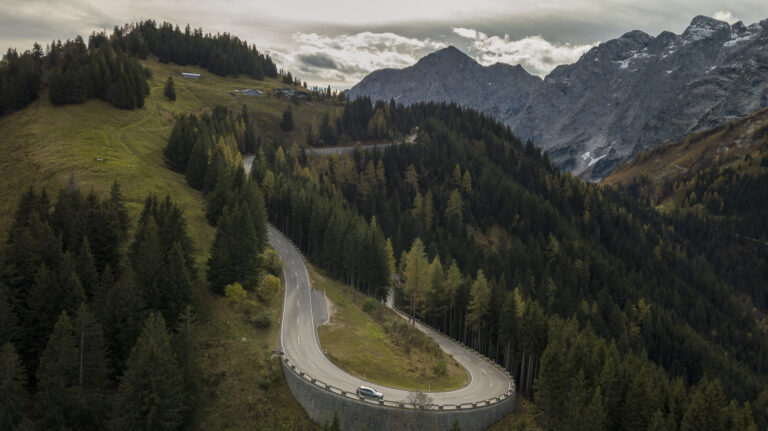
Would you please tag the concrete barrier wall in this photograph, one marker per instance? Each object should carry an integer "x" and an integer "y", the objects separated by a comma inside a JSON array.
[{"x": 321, "y": 401}]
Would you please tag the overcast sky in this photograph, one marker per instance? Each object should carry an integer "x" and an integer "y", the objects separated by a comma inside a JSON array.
[{"x": 338, "y": 42}]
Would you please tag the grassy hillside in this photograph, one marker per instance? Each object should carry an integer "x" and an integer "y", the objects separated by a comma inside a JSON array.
[
  {"x": 44, "y": 145},
  {"x": 93, "y": 144},
  {"x": 360, "y": 340}
]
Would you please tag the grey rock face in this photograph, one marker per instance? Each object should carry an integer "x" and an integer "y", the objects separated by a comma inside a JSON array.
[{"x": 620, "y": 97}]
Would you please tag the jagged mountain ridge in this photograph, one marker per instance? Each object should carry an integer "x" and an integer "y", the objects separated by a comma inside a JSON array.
[
  {"x": 443, "y": 74},
  {"x": 622, "y": 96}
]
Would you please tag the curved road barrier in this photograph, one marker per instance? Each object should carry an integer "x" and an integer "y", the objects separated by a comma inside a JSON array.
[{"x": 322, "y": 388}]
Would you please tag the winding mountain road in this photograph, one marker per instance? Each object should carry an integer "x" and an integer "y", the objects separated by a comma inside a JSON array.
[
  {"x": 298, "y": 340},
  {"x": 328, "y": 151}
]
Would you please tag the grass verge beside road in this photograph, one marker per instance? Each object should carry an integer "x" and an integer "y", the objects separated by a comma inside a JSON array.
[
  {"x": 379, "y": 345},
  {"x": 244, "y": 385}
]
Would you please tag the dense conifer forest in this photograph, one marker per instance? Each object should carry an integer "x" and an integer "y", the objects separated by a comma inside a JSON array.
[
  {"x": 207, "y": 150},
  {"x": 222, "y": 54},
  {"x": 107, "y": 67},
  {"x": 574, "y": 288},
  {"x": 86, "y": 326},
  {"x": 75, "y": 73}
]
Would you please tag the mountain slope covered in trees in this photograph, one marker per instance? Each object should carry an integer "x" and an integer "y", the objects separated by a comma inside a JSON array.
[
  {"x": 577, "y": 289},
  {"x": 711, "y": 185}
]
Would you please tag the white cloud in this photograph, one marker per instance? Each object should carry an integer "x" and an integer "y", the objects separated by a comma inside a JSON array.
[
  {"x": 345, "y": 59},
  {"x": 537, "y": 55},
  {"x": 724, "y": 15},
  {"x": 465, "y": 32}
]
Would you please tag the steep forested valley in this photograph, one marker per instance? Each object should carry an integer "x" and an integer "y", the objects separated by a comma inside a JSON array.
[
  {"x": 583, "y": 292},
  {"x": 609, "y": 313}
]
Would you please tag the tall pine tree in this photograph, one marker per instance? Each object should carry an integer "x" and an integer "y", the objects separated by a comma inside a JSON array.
[
  {"x": 169, "y": 90},
  {"x": 12, "y": 391},
  {"x": 151, "y": 392},
  {"x": 57, "y": 378}
]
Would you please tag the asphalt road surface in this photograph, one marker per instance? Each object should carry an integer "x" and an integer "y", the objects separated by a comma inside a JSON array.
[{"x": 298, "y": 340}]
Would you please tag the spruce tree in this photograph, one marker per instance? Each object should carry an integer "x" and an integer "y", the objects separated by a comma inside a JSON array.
[
  {"x": 147, "y": 261},
  {"x": 10, "y": 332},
  {"x": 221, "y": 195},
  {"x": 639, "y": 404},
  {"x": 86, "y": 269},
  {"x": 57, "y": 377},
  {"x": 286, "y": 124},
  {"x": 250, "y": 196},
  {"x": 198, "y": 163},
  {"x": 235, "y": 253},
  {"x": 169, "y": 90},
  {"x": 707, "y": 411},
  {"x": 221, "y": 270},
  {"x": 117, "y": 202},
  {"x": 89, "y": 338},
  {"x": 151, "y": 393},
  {"x": 122, "y": 310},
  {"x": 12, "y": 391},
  {"x": 657, "y": 422},
  {"x": 186, "y": 351},
  {"x": 91, "y": 371},
  {"x": 43, "y": 307},
  {"x": 176, "y": 285}
]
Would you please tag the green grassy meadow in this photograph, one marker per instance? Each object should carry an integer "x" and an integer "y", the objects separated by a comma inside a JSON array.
[{"x": 94, "y": 143}]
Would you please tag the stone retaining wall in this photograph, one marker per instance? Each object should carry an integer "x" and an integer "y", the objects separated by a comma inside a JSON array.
[{"x": 320, "y": 401}]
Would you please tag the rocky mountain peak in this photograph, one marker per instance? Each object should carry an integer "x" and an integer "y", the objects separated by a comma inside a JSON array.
[
  {"x": 450, "y": 56},
  {"x": 637, "y": 37},
  {"x": 704, "y": 27},
  {"x": 624, "y": 95},
  {"x": 739, "y": 27}
]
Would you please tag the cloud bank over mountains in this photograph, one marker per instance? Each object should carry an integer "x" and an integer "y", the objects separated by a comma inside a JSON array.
[
  {"x": 537, "y": 55},
  {"x": 347, "y": 58},
  {"x": 337, "y": 42}
]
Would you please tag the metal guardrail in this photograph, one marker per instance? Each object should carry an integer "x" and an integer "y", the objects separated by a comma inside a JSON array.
[{"x": 395, "y": 404}]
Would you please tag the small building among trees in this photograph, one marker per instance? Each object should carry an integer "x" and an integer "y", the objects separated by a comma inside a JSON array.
[
  {"x": 190, "y": 75},
  {"x": 248, "y": 92},
  {"x": 290, "y": 92}
]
